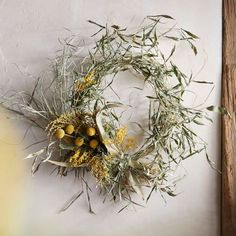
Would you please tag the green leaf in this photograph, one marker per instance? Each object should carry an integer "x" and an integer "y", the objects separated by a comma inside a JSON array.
[
  {"x": 211, "y": 163},
  {"x": 171, "y": 53},
  {"x": 198, "y": 122},
  {"x": 169, "y": 192},
  {"x": 217, "y": 109},
  {"x": 172, "y": 194},
  {"x": 193, "y": 153},
  {"x": 172, "y": 38},
  {"x": 194, "y": 48},
  {"x": 202, "y": 82},
  {"x": 190, "y": 34},
  {"x": 164, "y": 16},
  {"x": 115, "y": 27},
  {"x": 123, "y": 208},
  {"x": 150, "y": 97}
]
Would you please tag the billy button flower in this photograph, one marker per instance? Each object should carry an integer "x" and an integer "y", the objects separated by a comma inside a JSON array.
[
  {"x": 79, "y": 141},
  {"x": 93, "y": 143},
  {"x": 90, "y": 131},
  {"x": 59, "y": 134},
  {"x": 70, "y": 129}
]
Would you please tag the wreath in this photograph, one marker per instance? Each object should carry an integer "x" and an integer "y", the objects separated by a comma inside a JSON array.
[{"x": 84, "y": 132}]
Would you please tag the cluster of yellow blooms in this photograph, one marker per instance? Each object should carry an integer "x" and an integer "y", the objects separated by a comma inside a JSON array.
[
  {"x": 69, "y": 129},
  {"x": 96, "y": 164},
  {"x": 62, "y": 121},
  {"x": 98, "y": 168},
  {"x": 120, "y": 135},
  {"x": 122, "y": 139},
  {"x": 87, "y": 81},
  {"x": 79, "y": 158}
]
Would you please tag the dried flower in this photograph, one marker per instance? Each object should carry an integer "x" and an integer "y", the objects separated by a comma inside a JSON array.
[
  {"x": 59, "y": 134},
  {"x": 79, "y": 141},
  {"x": 86, "y": 82},
  {"x": 70, "y": 117},
  {"x": 93, "y": 143},
  {"x": 99, "y": 168},
  {"x": 129, "y": 143},
  {"x": 79, "y": 158},
  {"x": 120, "y": 135},
  {"x": 91, "y": 131},
  {"x": 70, "y": 129}
]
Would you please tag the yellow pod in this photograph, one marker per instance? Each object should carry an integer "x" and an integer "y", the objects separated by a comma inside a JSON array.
[
  {"x": 93, "y": 143},
  {"x": 91, "y": 131},
  {"x": 79, "y": 141},
  {"x": 70, "y": 129},
  {"x": 60, "y": 133}
]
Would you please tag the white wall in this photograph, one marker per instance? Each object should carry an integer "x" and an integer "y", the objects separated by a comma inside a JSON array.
[{"x": 29, "y": 32}]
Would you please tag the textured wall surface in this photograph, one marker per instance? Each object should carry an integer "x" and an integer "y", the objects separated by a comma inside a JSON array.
[{"x": 29, "y": 33}]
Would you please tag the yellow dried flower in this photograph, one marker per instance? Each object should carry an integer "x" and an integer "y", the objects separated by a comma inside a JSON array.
[
  {"x": 89, "y": 76},
  {"x": 60, "y": 133},
  {"x": 108, "y": 158},
  {"x": 93, "y": 143},
  {"x": 91, "y": 131},
  {"x": 129, "y": 143},
  {"x": 87, "y": 81},
  {"x": 99, "y": 168},
  {"x": 120, "y": 135},
  {"x": 64, "y": 119},
  {"x": 70, "y": 129},
  {"x": 79, "y": 141},
  {"x": 108, "y": 141},
  {"x": 79, "y": 158}
]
